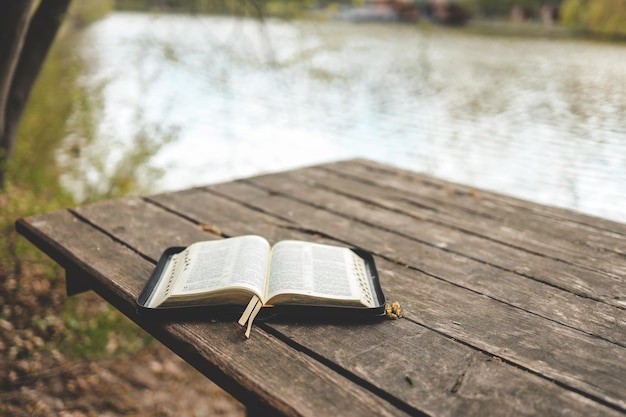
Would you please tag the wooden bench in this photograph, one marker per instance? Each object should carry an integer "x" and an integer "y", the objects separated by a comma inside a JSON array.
[{"x": 510, "y": 307}]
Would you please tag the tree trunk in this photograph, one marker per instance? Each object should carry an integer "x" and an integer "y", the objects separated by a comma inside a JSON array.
[
  {"x": 24, "y": 44},
  {"x": 13, "y": 28}
]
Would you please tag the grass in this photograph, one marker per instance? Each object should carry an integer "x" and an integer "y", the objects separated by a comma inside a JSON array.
[{"x": 36, "y": 318}]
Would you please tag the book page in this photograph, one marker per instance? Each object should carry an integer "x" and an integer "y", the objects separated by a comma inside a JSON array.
[
  {"x": 215, "y": 265},
  {"x": 315, "y": 270}
]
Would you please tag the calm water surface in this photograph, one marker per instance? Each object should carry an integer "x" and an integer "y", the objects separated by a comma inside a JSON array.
[{"x": 540, "y": 119}]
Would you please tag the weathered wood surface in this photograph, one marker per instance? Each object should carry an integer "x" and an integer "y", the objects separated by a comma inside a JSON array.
[{"x": 510, "y": 308}]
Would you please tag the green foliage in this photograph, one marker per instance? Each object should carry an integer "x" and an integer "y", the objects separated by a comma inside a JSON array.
[
  {"x": 43, "y": 125},
  {"x": 85, "y": 12},
  {"x": 500, "y": 8},
  {"x": 573, "y": 13},
  {"x": 487, "y": 8},
  {"x": 237, "y": 7},
  {"x": 284, "y": 8},
  {"x": 96, "y": 330},
  {"x": 252, "y": 8},
  {"x": 606, "y": 17}
]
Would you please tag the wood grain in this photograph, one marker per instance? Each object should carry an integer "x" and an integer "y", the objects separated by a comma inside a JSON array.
[
  {"x": 246, "y": 368},
  {"x": 379, "y": 340},
  {"x": 509, "y": 307},
  {"x": 489, "y": 315}
]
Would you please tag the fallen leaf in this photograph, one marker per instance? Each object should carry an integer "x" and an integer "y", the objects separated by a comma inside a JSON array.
[{"x": 211, "y": 228}]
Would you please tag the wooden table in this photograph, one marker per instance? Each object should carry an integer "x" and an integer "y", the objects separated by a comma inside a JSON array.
[{"x": 510, "y": 307}]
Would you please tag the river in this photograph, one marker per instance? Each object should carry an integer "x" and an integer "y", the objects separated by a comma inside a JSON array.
[{"x": 539, "y": 119}]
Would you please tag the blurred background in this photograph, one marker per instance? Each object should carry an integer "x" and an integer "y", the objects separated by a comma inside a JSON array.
[
  {"x": 231, "y": 89},
  {"x": 522, "y": 97}
]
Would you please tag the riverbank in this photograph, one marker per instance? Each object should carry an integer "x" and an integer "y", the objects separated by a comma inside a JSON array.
[
  {"x": 521, "y": 29},
  {"x": 288, "y": 11},
  {"x": 506, "y": 28}
]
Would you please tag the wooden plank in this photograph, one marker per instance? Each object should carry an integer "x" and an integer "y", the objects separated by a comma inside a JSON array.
[
  {"x": 601, "y": 235},
  {"x": 476, "y": 271},
  {"x": 490, "y": 205},
  {"x": 389, "y": 351},
  {"x": 247, "y": 369},
  {"x": 531, "y": 342},
  {"x": 374, "y": 170},
  {"x": 73, "y": 244},
  {"x": 478, "y": 245},
  {"x": 373, "y": 207},
  {"x": 444, "y": 345},
  {"x": 120, "y": 218},
  {"x": 564, "y": 240}
]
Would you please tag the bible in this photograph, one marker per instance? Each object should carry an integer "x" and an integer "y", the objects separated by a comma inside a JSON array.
[{"x": 246, "y": 270}]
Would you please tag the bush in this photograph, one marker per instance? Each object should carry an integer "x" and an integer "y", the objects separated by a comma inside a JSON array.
[{"x": 606, "y": 17}]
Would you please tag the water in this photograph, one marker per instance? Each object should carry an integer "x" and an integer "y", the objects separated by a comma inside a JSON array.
[{"x": 539, "y": 119}]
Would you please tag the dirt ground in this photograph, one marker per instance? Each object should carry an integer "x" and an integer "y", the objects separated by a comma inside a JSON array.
[
  {"x": 154, "y": 382},
  {"x": 41, "y": 377}
]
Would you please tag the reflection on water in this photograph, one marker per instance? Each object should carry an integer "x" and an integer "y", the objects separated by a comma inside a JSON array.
[{"x": 538, "y": 119}]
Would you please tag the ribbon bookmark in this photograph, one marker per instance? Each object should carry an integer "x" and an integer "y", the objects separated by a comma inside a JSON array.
[{"x": 249, "y": 314}]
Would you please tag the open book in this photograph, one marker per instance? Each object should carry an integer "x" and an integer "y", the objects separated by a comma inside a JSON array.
[{"x": 246, "y": 269}]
